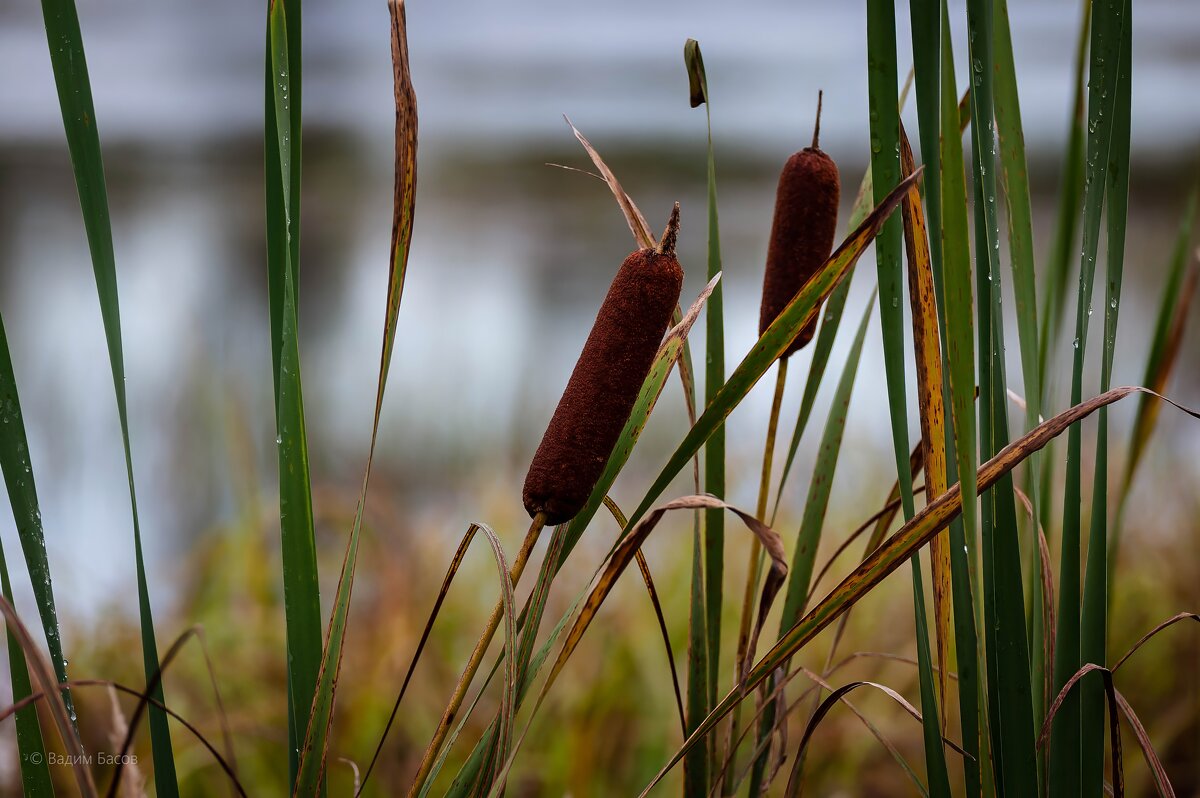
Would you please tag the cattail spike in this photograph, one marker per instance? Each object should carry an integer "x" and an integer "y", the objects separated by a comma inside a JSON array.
[
  {"x": 817, "y": 125},
  {"x": 666, "y": 245},
  {"x": 607, "y": 379},
  {"x": 802, "y": 232}
]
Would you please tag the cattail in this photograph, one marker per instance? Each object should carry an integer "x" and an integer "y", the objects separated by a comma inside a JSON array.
[
  {"x": 806, "y": 207},
  {"x": 606, "y": 381}
]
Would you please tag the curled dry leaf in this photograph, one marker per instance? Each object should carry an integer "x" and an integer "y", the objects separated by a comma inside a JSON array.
[{"x": 624, "y": 554}]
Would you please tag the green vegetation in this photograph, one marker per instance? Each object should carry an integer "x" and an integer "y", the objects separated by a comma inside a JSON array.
[{"x": 1011, "y": 597}]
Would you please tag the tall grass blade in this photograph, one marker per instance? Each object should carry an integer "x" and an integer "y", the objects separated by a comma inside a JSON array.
[
  {"x": 35, "y": 772},
  {"x": 897, "y": 550},
  {"x": 1070, "y": 205},
  {"x": 1094, "y": 613},
  {"x": 808, "y": 539},
  {"x": 301, "y": 598},
  {"x": 83, "y": 140},
  {"x": 320, "y": 718},
  {"x": 931, "y": 399},
  {"x": 957, "y": 302},
  {"x": 1009, "y": 684},
  {"x": 931, "y": 404},
  {"x": 1065, "y": 746},
  {"x": 1054, "y": 289},
  {"x": 711, "y": 575},
  {"x": 659, "y": 616},
  {"x": 1161, "y": 780},
  {"x": 1019, "y": 214},
  {"x": 958, "y": 320},
  {"x": 926, "y": 22},
  {"x": 1015, "y": 173},
  {"x": 882, "y": 79},
  {"x": 22, "y": 496}
]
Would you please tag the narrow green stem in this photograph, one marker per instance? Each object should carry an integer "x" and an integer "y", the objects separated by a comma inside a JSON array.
[{"x": 468, "y": 675}]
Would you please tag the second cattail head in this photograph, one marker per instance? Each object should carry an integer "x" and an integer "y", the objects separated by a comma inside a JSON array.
[
  {"x": 802, "y": 232},
  {"x": 606, "y": 381}
]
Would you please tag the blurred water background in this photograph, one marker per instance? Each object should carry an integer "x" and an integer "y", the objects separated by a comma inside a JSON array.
[{"x": 510, "y": 257}]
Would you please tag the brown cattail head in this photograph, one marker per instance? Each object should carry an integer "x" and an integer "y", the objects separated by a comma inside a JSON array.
[
  {"x": 607, "y": 379},
  {"x": 806, "y": 207}
]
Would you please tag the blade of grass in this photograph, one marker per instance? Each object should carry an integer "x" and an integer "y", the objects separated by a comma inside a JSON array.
[
  {"x": 808, "y": 538},
  {"x": 713, "y": 574},
  {"x": 302, "y": 603},
  {"x": 956, "y": 309},
  {"x": 1094, "y": 612},
  {"x": 744, "y": 654},
  {"x": 508, "y": 701},
  {"x": 35, "y": 772},
  {"x": 1070, "y": 204},
  {"x": 931, "y": 405},
  {"x": 1015, "y": 173},
  {"x": 1015, "y": 176},
  {"x": 469, "y": 780},
  {"x": 620, "y": 558},
  {"x": 22, "y": 496},
  {"x": 1106, "y": 36},
  {"x": 1057, "y": 272},
  {"x": 898, "y": 549},
  {"x": 83, "y": 141},
  {"x": 957, "y": 301},
  {"x": 320, "y": 716},
  {"x": 652, "y": 592},
  {"x": 1009, "y": 683},
  {"x": 931, "y": 399},
  {"x": 451, "y": 572},
  {"x": 882, "y": 80},
  {"x": 1161, "y": 781},
  {"x": 926, "y": 23}
]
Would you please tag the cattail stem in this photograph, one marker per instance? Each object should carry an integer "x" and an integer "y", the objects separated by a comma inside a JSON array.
[
  {"x": 817, "y": 124},
  {"x": 755, "y": 566},
  {"x": 468, "y": 675}
]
